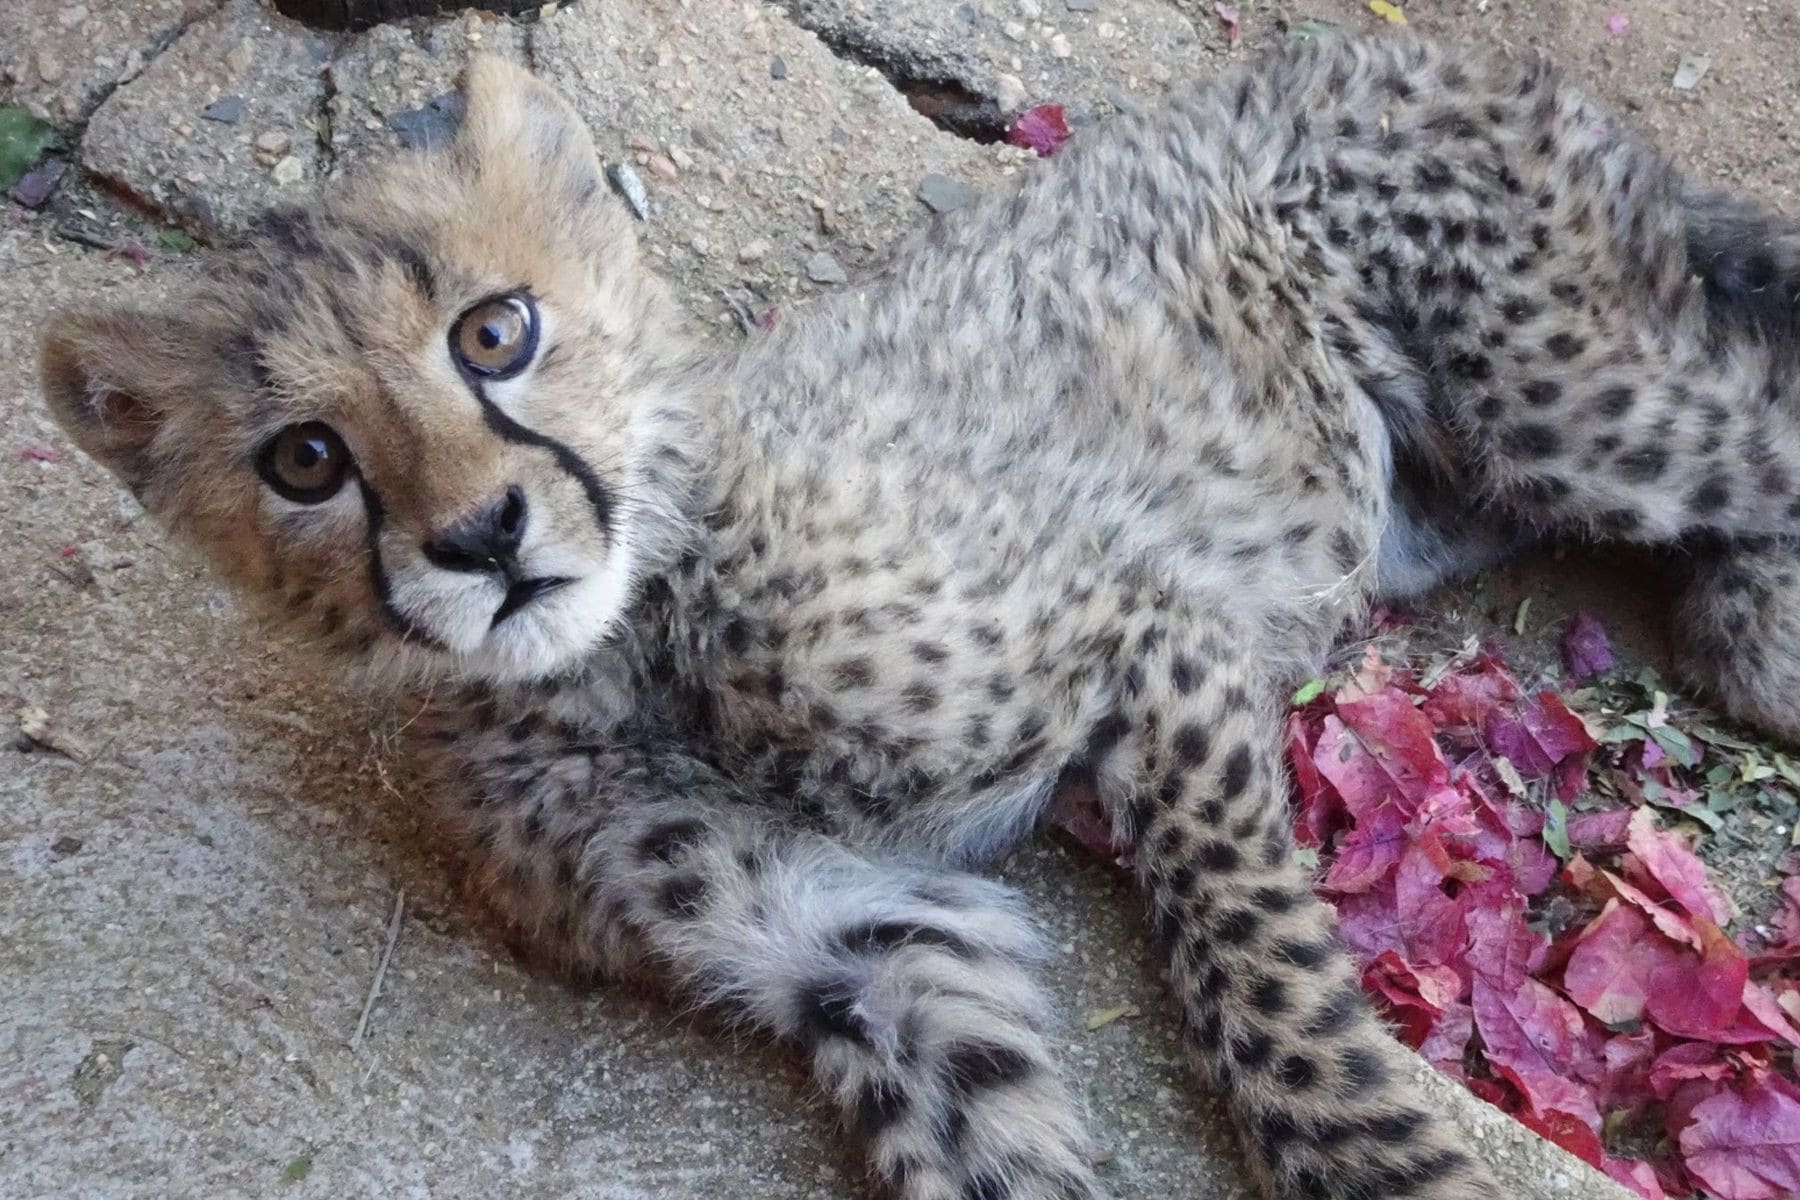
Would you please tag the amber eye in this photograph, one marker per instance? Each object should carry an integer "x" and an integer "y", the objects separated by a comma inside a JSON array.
[
  {"x": 305, "y": 463},
  {"x": 496, "y": 338}
]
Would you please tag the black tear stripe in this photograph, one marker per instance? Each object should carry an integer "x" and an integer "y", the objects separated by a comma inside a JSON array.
[
  {"x": 571, "y": 462},
  {"x": 373, "y": 516}
]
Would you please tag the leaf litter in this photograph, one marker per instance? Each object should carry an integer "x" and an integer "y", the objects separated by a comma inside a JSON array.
[{"x": 1513, "y": 866}]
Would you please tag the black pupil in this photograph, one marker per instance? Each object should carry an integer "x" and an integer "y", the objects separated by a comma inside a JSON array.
[
  {"x": 309, "y": 453},
  {"x": 490, "y": 335}
]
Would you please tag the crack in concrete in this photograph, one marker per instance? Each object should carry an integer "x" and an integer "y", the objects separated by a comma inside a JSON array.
[
  {"x": 322, "y": 126},
  {"x": 77, "y": 130},
  {"x": 947, "y": 102},
  {"x": 351, "y": 15}
]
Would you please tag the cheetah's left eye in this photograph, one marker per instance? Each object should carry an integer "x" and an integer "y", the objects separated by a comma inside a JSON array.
[{"x": 496, "y": 338}]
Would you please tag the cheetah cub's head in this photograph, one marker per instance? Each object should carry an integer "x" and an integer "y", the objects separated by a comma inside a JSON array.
[{"x": 431, "y": 418}]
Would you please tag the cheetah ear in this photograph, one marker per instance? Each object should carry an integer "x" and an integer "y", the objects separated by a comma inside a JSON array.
[
  {"x": 111, "y": 377},
  {"x": 516, "y": 127}
]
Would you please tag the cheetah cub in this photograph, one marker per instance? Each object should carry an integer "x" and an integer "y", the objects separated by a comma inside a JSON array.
[{"x": 743, "y": 659}]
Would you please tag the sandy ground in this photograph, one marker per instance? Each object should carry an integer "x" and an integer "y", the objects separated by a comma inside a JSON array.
[{"x": 193, "y": 899}]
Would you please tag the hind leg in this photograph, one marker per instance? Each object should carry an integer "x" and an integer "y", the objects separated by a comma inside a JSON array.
[
  {"x": 1269, "y": 1002},
  {"x": 1681, "y": 426},
  {"x": 1737, "y": 631}
]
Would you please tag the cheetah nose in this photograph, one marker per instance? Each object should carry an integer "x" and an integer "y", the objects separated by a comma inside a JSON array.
[{"x": 486, "y": 541}]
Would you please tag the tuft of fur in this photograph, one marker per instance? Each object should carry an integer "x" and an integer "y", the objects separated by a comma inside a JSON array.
[{"x": 1076, "y": 489}]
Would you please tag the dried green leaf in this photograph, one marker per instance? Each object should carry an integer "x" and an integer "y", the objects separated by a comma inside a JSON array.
[{"x": 23, "y": 140}]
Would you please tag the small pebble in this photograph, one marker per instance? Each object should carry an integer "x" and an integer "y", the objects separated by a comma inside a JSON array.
[
  {"x": 273, "y": 143},
  {"x": 1059, "y": 47},
  {"x": 1124, "y": 103},
  {"x": 1009, "y": 93},
  {"x": 778, "y": 67},
  {"x": 822, "y": 268},
  {"x": 433, "y": 124},
  {"x": 750, "y": 252},
  {"x": 942, "y": 194},
  {"x": 288, "y": 171},
  {"x": 1690, "y": 71},
  {"x": 1082, "y": 5},
  {"x": 227, "y": 110},
  {"x": 37, "y": 185},
  {"x": 625, "y": 181}
]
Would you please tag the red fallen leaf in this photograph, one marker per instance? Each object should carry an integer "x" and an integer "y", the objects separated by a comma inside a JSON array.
[
  {"x": 1503, "y": 949},
  {"x": 1585, "y": 649},
  {"x": 68, "y": 552},
  {"x": 1745, "y": 1145},
  {"x": 43, "y": 454},
  {"x": 1700, "y": 999},
  {"x": 1401, "y": 759},
  {"x": 1599, "y": 830},
  {"x": 1640, "y": 1177},
  {"x": 1433, "y": 925},
  {"x": 1231, "y": 22},
  {"x": 1616, "y": 963},
  {"x": 1685, "y": 1061},
  {"x": 768, "y": 319},
  {"x": 1625, "y": 1063},
  {"x": 1448, "y": 1040},
  {"x": 1669, "y": 861},
  {"x": 1542, "y": 735},
  {"x": 1536, "y": 1040},
  {"x": 1042, "y": 130},
  {"x": 1415, "y": 996},
  {"x": 1463, "y": 700},
  {"x": 1321, "y": 813},
  {"x": 1673, "y": 925},
  {"x": 1568, "y": 1131},
  {"x": 1368, "y": 853},
  {"x": 1760, "y": 1021}
]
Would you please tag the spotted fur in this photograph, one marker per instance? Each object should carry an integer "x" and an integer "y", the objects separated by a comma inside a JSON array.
[{"x": 1077, "y": 489}]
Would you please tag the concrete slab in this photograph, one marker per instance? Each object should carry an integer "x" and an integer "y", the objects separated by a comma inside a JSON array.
[
  {"x": 153, "y": 138},
  {"x": 747, "y": 176},
  {"x": 61, "y": 58}
]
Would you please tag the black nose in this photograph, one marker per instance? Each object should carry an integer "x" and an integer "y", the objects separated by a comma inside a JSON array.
[{"x": 487, "y": 541}]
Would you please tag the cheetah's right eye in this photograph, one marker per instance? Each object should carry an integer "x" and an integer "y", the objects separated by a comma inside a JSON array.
[{"x": 305, "y": 463}]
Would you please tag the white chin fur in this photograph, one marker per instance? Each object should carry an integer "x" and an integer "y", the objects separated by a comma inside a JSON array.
[
  {"x": 550, "y": 635},
  {"x": 546, "y": 637}
]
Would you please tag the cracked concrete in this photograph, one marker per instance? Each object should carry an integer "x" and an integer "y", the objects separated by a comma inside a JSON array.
[
  {"x": 192, "y": 907},
  {"x": 154, "y": 140}
]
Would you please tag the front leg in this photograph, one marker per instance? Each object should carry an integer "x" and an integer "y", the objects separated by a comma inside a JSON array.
[
  {"x": 909, "y": 989},
  {"x": 1268, "y": 999}
]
